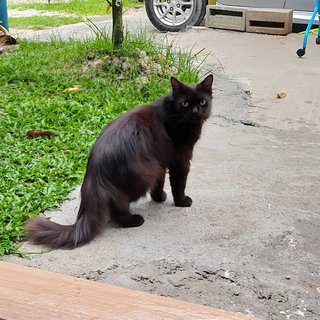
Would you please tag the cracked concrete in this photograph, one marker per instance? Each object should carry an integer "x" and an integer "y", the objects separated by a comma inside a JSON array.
[{"x": 250, "y": 242}]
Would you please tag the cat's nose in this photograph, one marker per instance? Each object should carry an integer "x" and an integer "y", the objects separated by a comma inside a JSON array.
[{"x": 195, "y": 109}]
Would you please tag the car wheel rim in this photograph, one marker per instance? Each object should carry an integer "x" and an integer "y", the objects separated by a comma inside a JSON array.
[{"x": 173, "y": 12}]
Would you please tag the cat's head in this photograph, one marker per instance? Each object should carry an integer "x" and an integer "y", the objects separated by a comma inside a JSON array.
[{"x": 193, "y": 102}]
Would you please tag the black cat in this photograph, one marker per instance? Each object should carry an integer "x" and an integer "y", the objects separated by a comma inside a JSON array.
[{"x": 130, "y": 158}]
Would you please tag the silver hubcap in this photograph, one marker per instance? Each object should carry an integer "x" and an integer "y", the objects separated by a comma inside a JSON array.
[{"x": 173, "y": 12}]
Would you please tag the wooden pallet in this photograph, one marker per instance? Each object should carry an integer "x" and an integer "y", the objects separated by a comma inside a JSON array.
[{"x": 27, "y": 293}]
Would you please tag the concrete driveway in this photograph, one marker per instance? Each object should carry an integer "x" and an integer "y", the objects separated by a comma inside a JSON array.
[{"x": 250, "y": 242}]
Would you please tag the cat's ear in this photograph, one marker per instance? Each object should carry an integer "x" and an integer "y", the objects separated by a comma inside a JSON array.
[
  {"x": 206, "y": 84},
  {"x": 177, "y": 86}
]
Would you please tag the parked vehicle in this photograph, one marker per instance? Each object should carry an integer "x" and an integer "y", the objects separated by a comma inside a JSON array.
[{"x": 175, "y": 15}]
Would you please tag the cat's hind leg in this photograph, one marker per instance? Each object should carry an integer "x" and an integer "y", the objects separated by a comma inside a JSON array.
[
  {"x": 121, "y": 214},
  {"x": 157, "y": 193}
]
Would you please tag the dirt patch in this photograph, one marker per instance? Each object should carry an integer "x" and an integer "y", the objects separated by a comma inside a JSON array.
[{"x": 140, "y": 65}]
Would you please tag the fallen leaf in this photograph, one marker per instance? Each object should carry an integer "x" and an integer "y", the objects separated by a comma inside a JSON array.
[
  {"x": 38, "y": 133},
  {"x": 72, "y": 90},
  {"x": 281, "y": 95}
]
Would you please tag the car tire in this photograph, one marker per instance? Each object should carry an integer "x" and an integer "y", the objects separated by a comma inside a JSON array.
[{"x": 193, "y": 14}]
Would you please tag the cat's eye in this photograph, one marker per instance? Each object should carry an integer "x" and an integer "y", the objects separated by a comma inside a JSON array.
[
  {"x": 202, "y": 102},
  {"x": 185, "y": 104}
]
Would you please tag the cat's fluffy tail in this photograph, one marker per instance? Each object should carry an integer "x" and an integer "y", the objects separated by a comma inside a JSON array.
[
  {"x": 53, "y": 235},
  {"x": 91, "y": 216}
]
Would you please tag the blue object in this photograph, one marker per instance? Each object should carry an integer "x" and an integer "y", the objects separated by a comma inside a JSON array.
[
  {"x": 4, "y": 14},
  {"x": 301, "y": 52}
]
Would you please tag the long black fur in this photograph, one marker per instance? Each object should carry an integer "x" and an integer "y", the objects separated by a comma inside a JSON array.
[{"x": 130, "y": 158}]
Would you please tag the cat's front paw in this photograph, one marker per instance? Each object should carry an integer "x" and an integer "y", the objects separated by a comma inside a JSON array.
[
  {"x": 137, "y": 220},
  {"x": 134, "y": 220},
  {"x": 185, "y": 202},
  {"x": 158, "y": 197}
]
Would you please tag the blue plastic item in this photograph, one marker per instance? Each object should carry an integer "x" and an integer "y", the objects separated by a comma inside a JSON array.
[
  {"x": 4, "y": 14},
  {"x": 302, "y": 52}
]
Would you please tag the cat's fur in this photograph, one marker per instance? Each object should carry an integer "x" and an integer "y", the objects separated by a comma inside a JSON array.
[{"x": 129, "y": 159}]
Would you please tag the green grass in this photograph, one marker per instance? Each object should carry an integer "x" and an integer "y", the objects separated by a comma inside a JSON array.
[
  {"x": 37, "y": 174},
  {"x": 41, "y": 22},
  {"x": 84, "y": 7}
]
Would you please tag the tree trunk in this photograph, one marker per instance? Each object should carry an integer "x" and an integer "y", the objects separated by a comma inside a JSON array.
[{"x": 117, "y": 24}]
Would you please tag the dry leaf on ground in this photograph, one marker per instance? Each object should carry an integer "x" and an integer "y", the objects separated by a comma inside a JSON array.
[
  {"x": 38, "y": 133},
  {"x": 281, "y": 95},
  {"x": 72, "y": 90}
]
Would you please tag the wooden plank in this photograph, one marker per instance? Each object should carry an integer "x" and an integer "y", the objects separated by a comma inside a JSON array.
[{"x": 27, "y": 293}]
